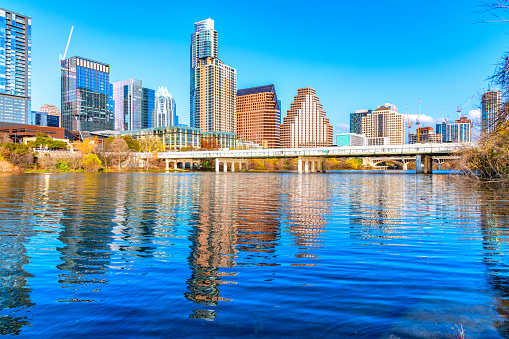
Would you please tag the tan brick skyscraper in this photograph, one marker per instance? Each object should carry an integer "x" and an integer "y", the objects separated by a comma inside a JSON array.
[{"x": 306, "y": 124}]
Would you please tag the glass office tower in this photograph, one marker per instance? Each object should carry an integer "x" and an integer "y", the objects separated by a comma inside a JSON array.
[
  {"x": 87, "y": 95},
  {"x": 148, "y": 101},
  {"x": 491, "y": 110},
  {"x": 213, "y": 84},
  {"x": 15, "y": 67},
  {"x": 127, "y": 95}
]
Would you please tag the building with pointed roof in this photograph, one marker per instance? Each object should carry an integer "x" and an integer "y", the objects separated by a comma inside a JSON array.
[
  {"x": 306, "y": 124},
  {"x": 166, "y": 109}
]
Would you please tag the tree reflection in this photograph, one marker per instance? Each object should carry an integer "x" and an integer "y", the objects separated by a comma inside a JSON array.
[{"x": 494, "y": 223}]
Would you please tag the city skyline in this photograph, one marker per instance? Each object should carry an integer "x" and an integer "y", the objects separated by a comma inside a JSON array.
[{"x": 438, "y": 57}]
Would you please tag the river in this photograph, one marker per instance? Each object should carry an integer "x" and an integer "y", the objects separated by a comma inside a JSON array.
[{"x": 320, "y": 255}]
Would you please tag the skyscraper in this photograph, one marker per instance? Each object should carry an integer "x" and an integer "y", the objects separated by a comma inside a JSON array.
[
  {"x": 491, "y": 110},
  {"x": 385, "y": 121},
  {"x": 259, "y": 116},
  {"x": 127, "y": 95},
  {"x": 148, "y": 104},
  {"x": 306, "y": 124},
  {"x": 356, "y": 120},
  {"x": 460, "y": 131},
  {"x": 87, "y": 95},
  {"x": 213, "y": 84},
  {"x": 166, "y": 109},
  {"x": 15, "y": 67}
]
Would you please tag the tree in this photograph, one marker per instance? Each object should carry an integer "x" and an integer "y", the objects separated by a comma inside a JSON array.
[
  {"x": 119, "y": 148},
  {"x": 91, "y": 163},
  {"x": 151, "y": 144},
  {"x": 494, "y": 11},
  {"x": 87, "y": 146},
  {"x": 131, "y": 143},
  {"x": 5, "y": 138}
]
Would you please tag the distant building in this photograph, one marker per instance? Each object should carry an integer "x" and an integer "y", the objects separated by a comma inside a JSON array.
[
  {"x": 305, "y": 124},
  {"x": 259, "y": 116},
  {"x": 15, "y": 67},
  {"x": 491, "y": 110},
  {"x": 127, "y": 95},
  {"x": 426, "y": 135},
  {"x": 52, "y": 111},
  {"x": 356, "y": 120},
  {"x": 175, "y": 138},
  {"x": 351, "y": 139},
  {"x": 148, "y": 105},
  {"x": 378, "y": 141},
  {"x": 213, "y": 84},
  {"x": 385, "y": 121},
  {"x": 87, "y": 95},
  {"x": 460, "y": 131},
  {"x": 166, "y": 109},
  {"x": 38, "y": 118}
]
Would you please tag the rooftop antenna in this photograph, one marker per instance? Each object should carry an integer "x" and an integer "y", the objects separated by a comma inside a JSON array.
[{"x": 66, "y": 47}]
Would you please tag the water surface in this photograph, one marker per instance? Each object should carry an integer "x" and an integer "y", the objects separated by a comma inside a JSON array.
[{"x": 344, "y": 254}]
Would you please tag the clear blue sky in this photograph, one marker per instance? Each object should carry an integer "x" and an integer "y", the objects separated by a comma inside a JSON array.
[{"x": 355, "y": 54}]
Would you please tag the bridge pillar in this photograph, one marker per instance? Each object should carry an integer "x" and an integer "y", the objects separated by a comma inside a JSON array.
[
  {"x": 306, "y": 166},
  {"x": 233, "y": 165},
  {"x": 428, "y": 164},
  {"x": 313, "y": 166},
  {"x": 299, "y": 164},
  {"x": 418, "y": 167},
  {"x": 217, "y": 165},
  {"x": 225, "y": 167},
  {"x": 247, "y": 166},
  {"x": 167, "y": 164},
  {"x": 175, "y": 165},
  {"x": 324, "y": 165}
]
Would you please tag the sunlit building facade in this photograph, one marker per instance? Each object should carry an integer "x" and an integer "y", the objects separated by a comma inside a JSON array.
[
  {"x": 213, "y": 84},
  {"x": 166, "y": 109},
  {"x": 460, "y": 131},
  {"x": 385, "y": 121},
  {"x": 305, "y": 124},
  {"x": 87, "y": 95},
  {"x": 127, "y": 95},
  {"x": 491, "y": 110},
  {"x": 15, "y": 67},
  {"x": 148, "y": 104},
  {"x": 259, "y": 116}
]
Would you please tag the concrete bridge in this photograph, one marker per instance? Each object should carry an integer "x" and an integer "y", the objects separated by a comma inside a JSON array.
[{"x": 314, "y": 159}]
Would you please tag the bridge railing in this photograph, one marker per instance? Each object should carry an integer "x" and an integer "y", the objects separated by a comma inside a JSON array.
[{"x": 359, "y": 151}]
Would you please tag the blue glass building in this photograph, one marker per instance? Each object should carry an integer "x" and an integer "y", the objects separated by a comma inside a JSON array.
[
  {"x": 356, "y": 120},
  {"x": 148, "y": 101},
  {"x": 460, "y": 131},
  {"x": 87, "y": 95},
  {"x": 43, "y": 119},
  {"x": 15, "y": 67}
]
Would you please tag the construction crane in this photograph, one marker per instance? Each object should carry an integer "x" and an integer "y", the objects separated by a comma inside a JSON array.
[
  {"x": 409, "y": 123},
  {"x": 418, "y": 123},
  {"x": 461, "y": 109},
  {"x": 66, "y": 47}
]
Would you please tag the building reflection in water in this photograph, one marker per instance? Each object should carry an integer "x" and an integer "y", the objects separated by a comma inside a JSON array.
[
  {"x": 307, "y": 203},
  {"x": 213, "y": 236},
  {"x": 30, "y": 209}
]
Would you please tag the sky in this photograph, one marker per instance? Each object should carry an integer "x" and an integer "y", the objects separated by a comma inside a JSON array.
[{"x": 357, "y": 55}]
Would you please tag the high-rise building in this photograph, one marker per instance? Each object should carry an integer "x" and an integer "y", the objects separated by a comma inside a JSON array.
[
  {"x": 385, "y": 121},
  {"x": 15, "y": 67},
  {"x": 52, "y": 111},
  {"x": 259, "y": 116},
  {"x": 356, "y": 120},
  {"x": 426, "y": 135},
  {"x": 148, "y": 104},
  {"x": 305, "y": 124},
  {"x": 491, "y": 110},
  {"x": 213, "y": 84},
  {"x": 127, "y": 95},
  {"x": 460, "y": 131},
  {"x": 87, "y": 95},
  {"x": 350, "y": 139},
  {"x": 166, "y": 109}
]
